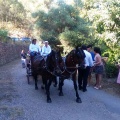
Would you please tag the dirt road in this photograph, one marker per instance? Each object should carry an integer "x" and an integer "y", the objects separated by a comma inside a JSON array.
[{"x": 20, "y": 101}]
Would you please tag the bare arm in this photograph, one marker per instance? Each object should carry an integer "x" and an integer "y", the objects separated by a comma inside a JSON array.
[{"x": 98, "y": 60}]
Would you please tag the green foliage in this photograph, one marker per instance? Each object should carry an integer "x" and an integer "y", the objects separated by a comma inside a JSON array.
[
  {"x": 111, "y": 70},
  {"x": 3, "y": 35},
  {"x": 13, "y": 13},
  {"x": 50, "y": 38},
  {"x": 100, "y": 27},
  {"x": 53, "y": 25},
  {"x": 115, "y": 12},
  {"x": 104, "y": 16},
  {"x": 74, "y": 38}
]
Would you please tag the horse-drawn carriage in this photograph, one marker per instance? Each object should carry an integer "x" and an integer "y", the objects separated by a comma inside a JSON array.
[{"x": 54, "y": 65}]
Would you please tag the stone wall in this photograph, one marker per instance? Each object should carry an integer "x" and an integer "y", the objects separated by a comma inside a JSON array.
[{"x": 10, "y": 52}]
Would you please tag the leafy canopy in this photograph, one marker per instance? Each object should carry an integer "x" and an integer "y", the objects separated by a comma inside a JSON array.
[{"x": 62, "y": 23}]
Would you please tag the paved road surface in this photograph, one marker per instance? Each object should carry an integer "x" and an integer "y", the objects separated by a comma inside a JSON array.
[{"x": 20, "y": 101}]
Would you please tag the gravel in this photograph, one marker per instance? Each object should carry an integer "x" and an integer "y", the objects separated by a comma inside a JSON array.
[{"x": 20, "y": 101}]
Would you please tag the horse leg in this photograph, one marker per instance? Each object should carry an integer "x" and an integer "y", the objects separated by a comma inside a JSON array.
[
  {"x": 60, "y": 83},
  {"x": 43, "y": 82},
  {"x": 35, "y": 77},
  {"x": 48, "y": 95},
  {"x": 78, "y": 100},
  {"x": 47, "y": 87},
  {"x": 55, "y": 81},
  {"x": 60, "y": 86}
]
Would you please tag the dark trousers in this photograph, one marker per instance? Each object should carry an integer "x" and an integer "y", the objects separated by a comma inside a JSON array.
[
  {"x": 32, "y": 55},
  {"x": 82, "y": 77}
]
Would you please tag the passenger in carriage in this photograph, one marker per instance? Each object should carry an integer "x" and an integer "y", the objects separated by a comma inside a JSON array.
[
  {"x": 46, "y": 49},
  {"x": 34, "y": 48}
]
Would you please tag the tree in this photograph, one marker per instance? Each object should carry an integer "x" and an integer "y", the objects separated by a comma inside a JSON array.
[
  {"x": 13, "y": 16},
  {"x": 59, "y": 23},
  {"x": 106, "y": 25}
]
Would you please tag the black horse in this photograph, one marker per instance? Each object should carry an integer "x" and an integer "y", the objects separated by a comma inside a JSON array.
[
  {"x": 48, "y": 68},
  {"x": 69, "y": 69}
]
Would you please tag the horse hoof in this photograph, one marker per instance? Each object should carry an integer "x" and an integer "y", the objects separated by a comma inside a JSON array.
[
  {"x": 78, "y": 100},
  {"x": 49, "y": 101},
  {"x": 61, "y": 94},
  {"x": 36, "y": 88}
]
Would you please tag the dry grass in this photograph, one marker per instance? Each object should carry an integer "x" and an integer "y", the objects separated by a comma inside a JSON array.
[{"x": 109, "y": 85}]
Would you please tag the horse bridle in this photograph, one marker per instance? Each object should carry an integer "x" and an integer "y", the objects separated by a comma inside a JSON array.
[
  {"x": 53, "y": 72},
  {"x": 66, "y": 68}
]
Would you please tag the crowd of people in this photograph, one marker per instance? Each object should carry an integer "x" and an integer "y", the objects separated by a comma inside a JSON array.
[{"x": 93, "y": 63}]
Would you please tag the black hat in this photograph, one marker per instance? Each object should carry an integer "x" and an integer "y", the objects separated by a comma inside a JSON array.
[{"x": 89, "y": 46}]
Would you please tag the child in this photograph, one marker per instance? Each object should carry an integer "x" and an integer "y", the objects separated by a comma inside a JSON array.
[{"x": 23, "y": 58}]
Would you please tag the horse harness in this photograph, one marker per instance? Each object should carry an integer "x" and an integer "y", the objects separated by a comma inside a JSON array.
[{"x": 66, "y": 68}]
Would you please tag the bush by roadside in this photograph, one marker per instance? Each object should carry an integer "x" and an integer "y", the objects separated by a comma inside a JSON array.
[{"x": 111, "y": 70}]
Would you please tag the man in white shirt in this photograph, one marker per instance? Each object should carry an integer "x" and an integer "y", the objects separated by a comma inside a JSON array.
[
  {"x": 46, "y": 49},
  {"x": 83, "y": 73},
  {"x": 89, "y": 49},
  {"x": 34, "y": 48}
]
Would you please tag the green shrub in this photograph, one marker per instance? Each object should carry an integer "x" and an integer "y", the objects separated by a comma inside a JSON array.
[
  {"x": 111, "y": 70},
  {"x": 3, "y": 35}
]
